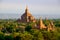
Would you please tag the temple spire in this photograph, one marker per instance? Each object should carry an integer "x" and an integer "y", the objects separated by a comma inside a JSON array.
[
  {"x": 26, "y": 7},
  {"x": 41, "y": 25},
  {"x": 26, "y": 10}
]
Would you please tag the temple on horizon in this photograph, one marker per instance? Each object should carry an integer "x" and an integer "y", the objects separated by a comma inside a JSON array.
[{"x": 27, "y": 17}]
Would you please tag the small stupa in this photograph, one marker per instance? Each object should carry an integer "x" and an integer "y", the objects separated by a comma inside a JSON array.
[
  {"x": 51, "y": 26},
  {"x": 40, "y": 24}
]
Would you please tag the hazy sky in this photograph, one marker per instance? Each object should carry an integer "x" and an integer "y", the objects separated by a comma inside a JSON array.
[{"x": 36, "y": 7}]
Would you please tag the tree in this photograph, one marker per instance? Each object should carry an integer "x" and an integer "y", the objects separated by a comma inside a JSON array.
[
  {"x": 8, "y": 37},
  {"x": 26, "y": 36},
  {"x": 1, "y": 36},
  {"x": 37, "y": 35},
  {"x": 28, "y": 28},
  {"x": 50, "y": 35}
]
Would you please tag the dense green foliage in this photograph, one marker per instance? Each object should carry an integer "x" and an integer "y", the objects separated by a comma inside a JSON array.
[{"x": 12, "y": 30}]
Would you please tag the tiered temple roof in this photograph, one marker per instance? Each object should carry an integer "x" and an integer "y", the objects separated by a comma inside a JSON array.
[{"x": 27, "y": 17}]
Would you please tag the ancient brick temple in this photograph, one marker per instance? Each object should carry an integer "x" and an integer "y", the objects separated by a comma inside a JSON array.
[
  {"x": 27, "y": 17},
  {"x": 50, "y": 26},
  {"x": 41, "y": 25}
]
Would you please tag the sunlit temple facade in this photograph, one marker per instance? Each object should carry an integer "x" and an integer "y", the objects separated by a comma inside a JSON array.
[
  {"x": 41, "y": 25},
  {"x": 27, "y": 17}
]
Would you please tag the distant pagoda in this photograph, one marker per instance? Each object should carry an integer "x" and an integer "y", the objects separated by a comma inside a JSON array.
[
  {"x": 40, "y": 24},
  {"x": 27, "y": 16}
]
